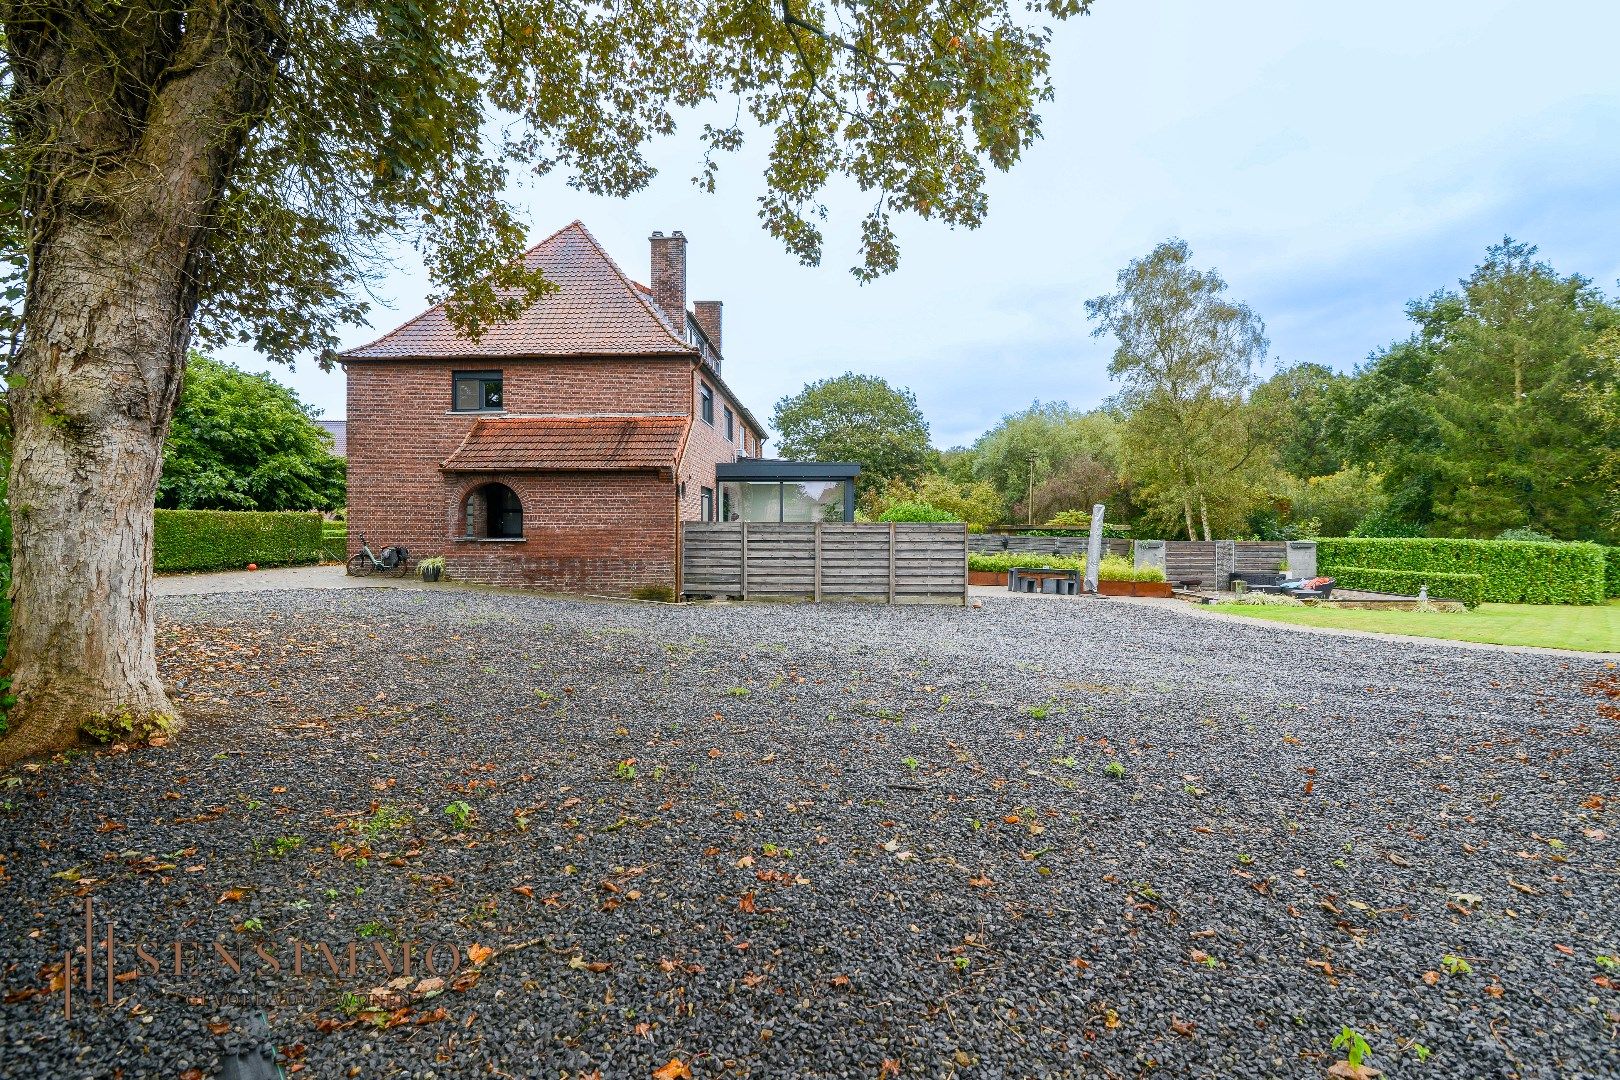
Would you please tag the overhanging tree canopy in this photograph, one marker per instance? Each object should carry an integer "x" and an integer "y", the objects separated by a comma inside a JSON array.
[{"x": 231, "y": 167}]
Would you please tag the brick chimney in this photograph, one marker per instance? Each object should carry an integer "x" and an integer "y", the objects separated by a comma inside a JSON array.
[
  {"x": 668, "y": 277},
  {"x": 707, "y": 314}
]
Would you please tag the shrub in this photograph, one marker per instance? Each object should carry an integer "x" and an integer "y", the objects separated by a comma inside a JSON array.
[
  {"x": 1514, "y": 572},
  {"x": 1383, "y": 523},
  {"x": 1611, "y": 573},
  {"x": 230, "y": 539},
  {"x": 1465, "y": 587},
  {"x": 1260, "y": 599},
  {"x": 917, "y": 511}
]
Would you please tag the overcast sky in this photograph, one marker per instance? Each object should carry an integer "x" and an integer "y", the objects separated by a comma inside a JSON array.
[{"x": 1333, "y": 161}]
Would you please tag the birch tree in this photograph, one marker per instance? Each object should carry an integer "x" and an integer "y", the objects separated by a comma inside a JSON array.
[{"x": 1185, "y": 356}]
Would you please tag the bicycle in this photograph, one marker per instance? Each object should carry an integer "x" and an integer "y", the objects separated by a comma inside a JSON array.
[{"x": 393, "y": 560}]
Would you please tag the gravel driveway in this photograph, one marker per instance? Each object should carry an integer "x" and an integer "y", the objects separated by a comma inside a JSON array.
[{"x": 1037, "y": 840}]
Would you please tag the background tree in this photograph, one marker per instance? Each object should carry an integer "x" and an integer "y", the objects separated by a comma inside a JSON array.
[
  {"x": 858, "y": 418},
  {"x": 1305, "y": 403},
  {"x": 974, "y": 502},
  {"x": 1483, "y": 420},
  {"x": 1513, "y": 347},
  {"x": 1185, "y": 357},
  {"x": 245, "y": 442},
  {"x": 1060, "y": 452},
  {"x": 231, "y": 168}
]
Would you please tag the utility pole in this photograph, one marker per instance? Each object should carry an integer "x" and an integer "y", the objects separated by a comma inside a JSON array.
[{"x": 1029, "y": 503}]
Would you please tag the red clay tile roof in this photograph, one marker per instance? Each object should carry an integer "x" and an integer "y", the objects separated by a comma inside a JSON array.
[
  {"x": 566, "y": 443},
  {"x": 596, "y": 311}
]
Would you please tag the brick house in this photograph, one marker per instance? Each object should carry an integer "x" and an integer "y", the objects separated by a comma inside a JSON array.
[{"x": 562, "y": 449}]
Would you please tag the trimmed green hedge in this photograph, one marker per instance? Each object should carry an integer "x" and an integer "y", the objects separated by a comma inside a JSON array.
[
  {"x": 1611, "y": 576},
  {"x": 1468, "y": 588},
  {"x": 1514, "y": 571},
  {"x": 230, "y": 539},
  {"x": 335, "y": 541}
]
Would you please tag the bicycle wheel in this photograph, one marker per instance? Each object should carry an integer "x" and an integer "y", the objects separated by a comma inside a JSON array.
[{"x": 360, "y": 564}]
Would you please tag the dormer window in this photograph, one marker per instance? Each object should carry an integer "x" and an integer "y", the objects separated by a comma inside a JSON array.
[{"x": 477, "y": 391}]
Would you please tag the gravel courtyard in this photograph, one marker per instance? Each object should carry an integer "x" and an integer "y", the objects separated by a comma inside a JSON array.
[{"x": 1082, "y": 839}]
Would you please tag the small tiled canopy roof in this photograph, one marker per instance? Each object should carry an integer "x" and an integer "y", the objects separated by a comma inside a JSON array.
[
  {"x": 596, "y": 310},
  {"x": 515, "y": 443}
]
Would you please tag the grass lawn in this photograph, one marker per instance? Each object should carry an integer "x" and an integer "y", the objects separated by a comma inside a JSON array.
[{"x": 1590, "y": 629}]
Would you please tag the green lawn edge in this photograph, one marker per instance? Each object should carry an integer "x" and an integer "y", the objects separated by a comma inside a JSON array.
[{"x": 1582, "y": 628}]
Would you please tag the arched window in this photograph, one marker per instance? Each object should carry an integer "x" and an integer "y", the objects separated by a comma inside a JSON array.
[{"x": 493, "y": 512}]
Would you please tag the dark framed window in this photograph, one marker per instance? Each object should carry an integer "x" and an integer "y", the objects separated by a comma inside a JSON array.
[
  {"x": 706, "y": 497},
  {"x": 731, "y": 426},
  {"x": 706, "y": 403},
  {"x": 477, "y": 391},
  {"x": 493, "y": 512}
]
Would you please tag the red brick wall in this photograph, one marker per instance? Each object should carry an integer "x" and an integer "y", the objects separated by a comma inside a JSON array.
[
  {"x": 583, "y": 532},
  {"x": 706, "y": 447}
]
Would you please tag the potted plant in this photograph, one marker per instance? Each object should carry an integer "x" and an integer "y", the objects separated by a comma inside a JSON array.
[{"x": 432, "y": 569}]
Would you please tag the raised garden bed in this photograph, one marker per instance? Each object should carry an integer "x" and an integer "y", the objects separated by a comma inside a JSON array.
[{"x": 1104, "y": 588}]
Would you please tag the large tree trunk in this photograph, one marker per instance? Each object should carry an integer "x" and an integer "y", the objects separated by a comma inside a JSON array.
[
  {"x": 99, "y": 372},
  {"x": 133, "y": 128}
]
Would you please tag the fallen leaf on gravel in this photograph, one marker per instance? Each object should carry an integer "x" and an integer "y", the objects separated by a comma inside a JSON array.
[
  {"x": 1431, "y": 978},
  {"x": 1343, "y": 1070},
  {"x": 232, "y": 895},
  {"x": 890, "y": 1067},
  {"x": 1198, "y": 956},
  {"x": 523, "y": 890},
  {"x": 1184, "y": 1028},
  {"x": 479, "y": 954},
  {"x": 980, "y": 882},
  {"x": 1565, "y": 949},
  {"x": 676, "y": 1069},
  {"x": 1494, "y": 990},
  {"x": 1528, "y": 890},
  {"x": 746, "y": 904},
  {"x": 1398, "y": 861},
  {"x": 840, "y": 981},
  {"x": 579, "y": 963},
  {"x": 1079, "y": 964}
]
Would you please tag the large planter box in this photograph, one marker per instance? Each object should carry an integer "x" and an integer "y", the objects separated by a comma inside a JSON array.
[{"x": 1104, "y": 588}]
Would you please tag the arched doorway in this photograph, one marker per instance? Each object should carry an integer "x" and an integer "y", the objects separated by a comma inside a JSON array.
[{"x": 493, "y": 512}]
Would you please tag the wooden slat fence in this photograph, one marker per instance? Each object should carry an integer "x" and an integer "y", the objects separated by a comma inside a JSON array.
[
  {"x": 903, "y": 563},
  {"x": 1045, "y": 545},
  {"x": 1213, "y": 561}
]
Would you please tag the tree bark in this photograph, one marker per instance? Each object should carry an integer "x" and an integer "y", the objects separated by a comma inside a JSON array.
[
  {"x": 1203, "y": 515},
  {"x": 120, "y": 206},
  {"x": 99, "y": 370}
]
